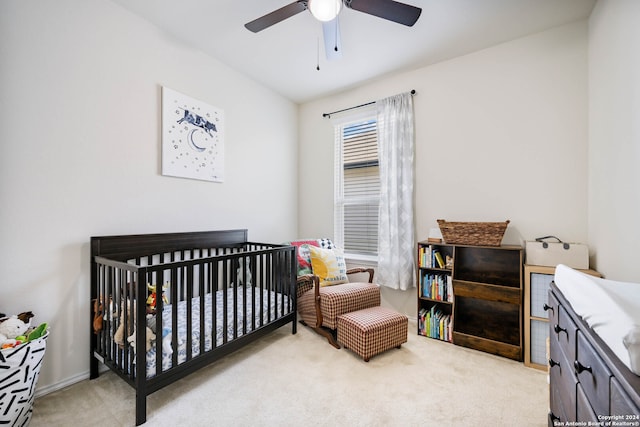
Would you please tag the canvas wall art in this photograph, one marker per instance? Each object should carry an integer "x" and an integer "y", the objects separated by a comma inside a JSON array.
[{"x": 192, "y": 138}]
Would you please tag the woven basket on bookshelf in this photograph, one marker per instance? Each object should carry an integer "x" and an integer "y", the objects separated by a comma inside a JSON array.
[{"x": 473, "y": 233}]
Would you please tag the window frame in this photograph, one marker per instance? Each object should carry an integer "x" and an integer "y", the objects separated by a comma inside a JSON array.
[{"x": 340, "y": 199}]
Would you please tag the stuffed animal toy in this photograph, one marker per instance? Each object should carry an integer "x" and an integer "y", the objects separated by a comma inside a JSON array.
[
  {"x": 119, "y": 335},
  {"x": 14, "y": 327},
  {"x": 151, "y": 300},
  {"x": 166, "y": 341},
  {"x": 98, "y": 313},
  {"x": 247, "y": 272},
  {"x": 150, "y": 338},
  {"x": 26, "y": 316},
  {"x": 151, "y": 322},
  {"x": 38, "y": 332},
  {"x": 166, "y": 334}
]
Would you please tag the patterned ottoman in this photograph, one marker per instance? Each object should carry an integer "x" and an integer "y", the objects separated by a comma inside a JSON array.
[{"x": 371, "y": 331}]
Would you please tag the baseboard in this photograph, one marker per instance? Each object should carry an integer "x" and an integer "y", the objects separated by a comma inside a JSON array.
[{"x": 41, "y": 391}]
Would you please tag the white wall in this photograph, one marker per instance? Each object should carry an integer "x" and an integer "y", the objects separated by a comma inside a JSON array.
[
  {"x": 614, "y": 138},
  {"x": 500, "y": 134},
  {"x": 80, "y": 85}
]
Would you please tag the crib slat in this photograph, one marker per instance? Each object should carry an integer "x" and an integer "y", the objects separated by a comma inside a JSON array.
[
  {"x": 113, "y": 317},
  {"x": 245, "y": 291},
  {"x": 252, "y": 272},
  {"x": 189, "y": 300},
  {"x": 174, "y": 316},
  {"x": 234, "y": 280},
  {"x": 278, "y": 284},
  {"x": 201, "y": 292},
  {"x": 139, "y": 280},
  {"x": 159, "y": 321},
  {"x": 103, "y": 289},
  {"x": 264, "y": 286},
  {"x": 214, "y": 305},
  {"x": 225, "y": 318},
  {"x": 268, "y": 286}
]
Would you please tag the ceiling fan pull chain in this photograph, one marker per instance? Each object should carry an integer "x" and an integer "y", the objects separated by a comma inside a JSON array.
[
  {"x": 337, "y": 24},
  {"x": 318, "y": 55}
]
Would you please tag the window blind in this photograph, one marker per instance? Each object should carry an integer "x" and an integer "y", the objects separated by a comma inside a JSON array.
[{"x": 358, "y": 187}]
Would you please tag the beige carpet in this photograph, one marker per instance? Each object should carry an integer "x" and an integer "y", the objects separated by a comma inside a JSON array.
[{"x": 300, "y": 380}]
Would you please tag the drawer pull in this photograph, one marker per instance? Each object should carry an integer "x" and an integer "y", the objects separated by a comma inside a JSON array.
[
  {"x": 581, "y": 368},
  {"x": 559, "y": 329},
  {"x": 553, "y": 363},
  {"x": 547, "y": 307}
]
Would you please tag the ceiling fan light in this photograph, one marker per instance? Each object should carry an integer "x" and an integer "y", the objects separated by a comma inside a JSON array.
[{"x": 325, "y": 10}]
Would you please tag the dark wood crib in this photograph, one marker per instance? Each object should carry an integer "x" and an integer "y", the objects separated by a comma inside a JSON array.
[{"x": 197, "y": 296}]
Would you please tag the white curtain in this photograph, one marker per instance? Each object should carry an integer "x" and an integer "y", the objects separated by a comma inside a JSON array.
[{"x": 396, "y": 229}]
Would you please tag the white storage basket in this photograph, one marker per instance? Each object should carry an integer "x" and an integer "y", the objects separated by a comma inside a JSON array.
[{"x": 19, "y": 370}]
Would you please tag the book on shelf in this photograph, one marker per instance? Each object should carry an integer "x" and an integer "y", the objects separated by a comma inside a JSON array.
[
  {"x": 437, "y": 287},
  {"x": 439, "y": 260},
  {"x": 426, "y": 256},
  {"x": 433, "y": 323},
  {"x": 421, "y": 318},
  {"x": 430, "y": 257}
]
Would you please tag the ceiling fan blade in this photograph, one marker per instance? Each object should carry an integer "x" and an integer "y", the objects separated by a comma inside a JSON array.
[
  {"x": 332, "y": 43},
  {"x": 276, "y": 16},
  {"x": 390, "y": 10}
]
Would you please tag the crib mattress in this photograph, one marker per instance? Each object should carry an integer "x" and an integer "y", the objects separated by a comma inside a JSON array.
[
  {"x": 273, "y": 304},
  {"x": 610, "y": 308}
]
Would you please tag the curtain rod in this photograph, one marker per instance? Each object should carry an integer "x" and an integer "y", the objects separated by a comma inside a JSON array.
[{"x": 413, "y": 92}]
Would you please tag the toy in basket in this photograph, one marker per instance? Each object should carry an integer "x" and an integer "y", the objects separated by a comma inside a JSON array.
[
  {"x": 23, "y": 349},
  {"x": 473, "y": 233}
]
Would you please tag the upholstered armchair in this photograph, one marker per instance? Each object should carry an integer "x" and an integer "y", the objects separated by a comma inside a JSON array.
[{"x": 320, "y": 301}]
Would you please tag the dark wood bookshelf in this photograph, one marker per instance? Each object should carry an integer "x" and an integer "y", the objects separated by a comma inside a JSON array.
[{"x": 487, "y": 305}]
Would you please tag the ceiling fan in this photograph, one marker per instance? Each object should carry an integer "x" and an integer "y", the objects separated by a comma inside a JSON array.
[{"x": 327, "y": 11}]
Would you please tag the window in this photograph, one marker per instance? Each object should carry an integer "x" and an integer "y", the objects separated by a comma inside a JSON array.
[{"x": 357, "y": 188}]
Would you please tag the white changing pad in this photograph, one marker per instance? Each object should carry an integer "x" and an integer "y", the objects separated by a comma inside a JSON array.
[{"x": 610, "y": 308}]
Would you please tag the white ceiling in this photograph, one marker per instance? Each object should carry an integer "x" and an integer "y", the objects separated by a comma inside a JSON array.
[{"x": 284, "y": 56}]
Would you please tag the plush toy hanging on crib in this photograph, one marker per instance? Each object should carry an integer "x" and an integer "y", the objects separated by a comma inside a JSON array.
[
  {"x": 166, "y": 341},
  {"x": 150, "y": 338},
  {"x": 98, "y": 314},
  {"x": 151, "y": 300},
  {"x": 166, "y": 334},
  {"x": 119, "y": 335}
]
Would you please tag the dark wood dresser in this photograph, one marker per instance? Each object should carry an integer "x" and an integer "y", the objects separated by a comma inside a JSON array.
[{"x": 587, "y": 382}]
